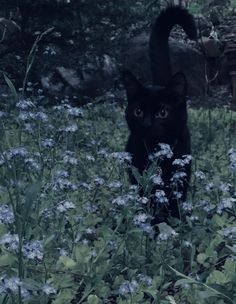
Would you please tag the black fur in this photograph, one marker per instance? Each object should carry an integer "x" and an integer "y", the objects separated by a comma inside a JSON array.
[
  {"x": 158, "y": 114},
  {"x": 158, "y": 44}
]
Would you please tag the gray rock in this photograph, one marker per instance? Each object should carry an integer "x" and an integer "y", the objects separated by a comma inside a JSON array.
[
  {"x": 52, "y": 85},
  {"x": 69, "y": 76},
  {"x": 98, "y": 75},
  {"x": 203, "y": 25},
  {"x": 8, "y": 28},
  {"x": 211, "y": 46},
  {"x": 223, "y": 76},
  {"x": 183, "y": 58},
  {"x": 90, "y": 80},
  {"x": 192, "y": 63},
  {"x": 9, "y": 32}
]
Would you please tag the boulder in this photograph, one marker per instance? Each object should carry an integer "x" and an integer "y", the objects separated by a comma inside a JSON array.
[
  {"x": 90, "y": 80},
  {"x": 204, "y": 26},
  {"x": 211, "y": 46},
  {"x": 9, "y": 32},
  {"x": 183, "y": 58},
  {"x": 192, "y": 63},
  {"x": 8, "y": 28},
  {"x": 69, "y": 76}
]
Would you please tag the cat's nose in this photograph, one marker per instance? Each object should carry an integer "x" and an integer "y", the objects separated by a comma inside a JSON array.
[{"x": 147, "y": 122}]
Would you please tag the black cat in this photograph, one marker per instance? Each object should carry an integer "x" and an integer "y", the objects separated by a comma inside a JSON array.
[{"x": 158, "y": 114}]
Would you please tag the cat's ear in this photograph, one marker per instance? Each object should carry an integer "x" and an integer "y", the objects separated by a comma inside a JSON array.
[
  {"x": 132, "y": 86},
  {"x": 178, "y": 85}
]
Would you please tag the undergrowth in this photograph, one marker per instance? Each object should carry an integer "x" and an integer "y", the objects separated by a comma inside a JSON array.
[{"x": 73, "y": 229}]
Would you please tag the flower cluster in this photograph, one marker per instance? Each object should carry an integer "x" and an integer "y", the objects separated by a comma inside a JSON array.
[
  {"x": 71, "y": 128},
  {"x": 225, "y": 204},
  {"x": 157, "y": 180},
  {"x": 165, "y": 236},
  {"x": 178, "y": 178},
  {"x": 144, "y": 279},
  {"x": 186, "y": 159},
  {"x": 187, "y": 207},
  {"x": 141, "y": 221},
  {"x": 65, "y": 206},
  {"x": 69, "y": 158},
  {"x": 12, "y": 284},
  {"x": 6, "y": 215},
  {"x": 37, "y": 116},
  {"x": 121, "y": 157},
  {"x": 25, "y": 104},
  {"x": 14, "y": 153},
  {"x": 200, "y": 175},
  {"x": 32, "y": 164},
  {"x": 114, "y": 184},
  {"x": 74, "y": 111},
  {"x": 10, "y": 241},
  {"x": 230, "y": 233},
  {"x": 64, "y": 184},
  {"x": 206, "y": 206},
  {"x": 164, "y": 152},
  {"x": 128, "y": 288},
  {"x": 47, "y": 143},
  {"x": 123, "y": 200},
  {"x": 232, "y": 159},
  {"x": 160, "y": 197},
  {"x": 48, "y": 289},
  {"x": 20, "y": 156},
  {"x": 50, "y": 50},
  {"x": 33, "y": 250}
]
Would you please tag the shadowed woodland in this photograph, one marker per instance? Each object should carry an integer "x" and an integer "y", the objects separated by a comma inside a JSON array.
[
  {"x": 102, "y": 39},
  {"x": 81, "y": 220}
]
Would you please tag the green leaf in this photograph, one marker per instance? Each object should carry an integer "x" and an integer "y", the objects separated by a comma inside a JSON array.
[
  {"x": 182, "y": 282},
  {"x": 138, "y": 297},
  {"x": 233, "y": 249},
  {"x": 164, "y": 228},
  {"x": 219, "y": 220},
  {"x": 7, "y": 260},
  {"x": 67, "y": 262},
  {"x": 93, "y": 299},
  {"x": 205, "y": 294},
  {"x": 82, "y": 254},
  {"x": 137, "y": 176},
  {"x": 191, "y": 280},
  {"x": 104, "y": 291},
  {"x": 30, "y": 197},
  {"x": 201, "y": 258},
  {"x": 64, "y": 296},
  {"x": 217, "y": 277},
  {"x": 11, "y": 86},
  {"x": 151, "y": 291},
  {"x": 31, "y": 284},
  {"x": 48, "y": 240},
  {"x": 171, "y": 299}
]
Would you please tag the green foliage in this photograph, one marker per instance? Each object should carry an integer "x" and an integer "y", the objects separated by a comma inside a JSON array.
[
  {"x": 96, "y": 26},
  {"x": 73, "y": 229}
]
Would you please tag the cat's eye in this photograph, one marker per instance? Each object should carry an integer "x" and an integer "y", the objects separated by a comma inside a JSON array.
[
  {"x": 162, "y": 114},
  {"x": 138, "y": 112}
]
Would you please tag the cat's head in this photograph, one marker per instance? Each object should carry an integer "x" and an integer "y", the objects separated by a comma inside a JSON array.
[{"x": 156, "y": 113}]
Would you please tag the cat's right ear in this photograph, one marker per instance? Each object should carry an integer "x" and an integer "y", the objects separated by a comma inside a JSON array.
[{"x": 132, "y": 86}]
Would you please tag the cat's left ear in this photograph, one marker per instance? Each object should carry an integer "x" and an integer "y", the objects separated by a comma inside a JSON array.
[
  {"x": 178, "y": 85},
  {"x": 132, "y": 86}
]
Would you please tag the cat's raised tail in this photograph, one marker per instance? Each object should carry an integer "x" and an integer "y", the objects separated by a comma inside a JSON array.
[{"x": 158, "y": 44}]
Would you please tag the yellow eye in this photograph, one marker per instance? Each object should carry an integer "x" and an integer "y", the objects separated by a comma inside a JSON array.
[
  {"x": 162, "y": 114},
  {"x": 138, "y": 112}
]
